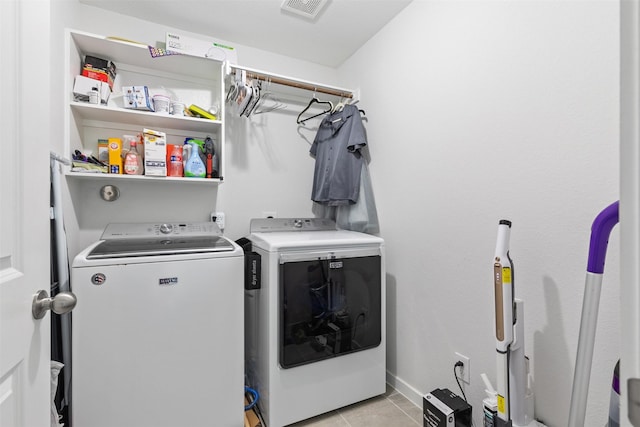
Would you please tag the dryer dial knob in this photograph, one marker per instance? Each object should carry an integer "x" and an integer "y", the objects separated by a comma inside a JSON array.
[
  {"x": 297, "y": 223},
  {"x": 166, "y": 228}
]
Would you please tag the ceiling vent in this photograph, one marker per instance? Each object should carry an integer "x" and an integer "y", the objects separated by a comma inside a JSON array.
[{"x": 306, "y": 8}]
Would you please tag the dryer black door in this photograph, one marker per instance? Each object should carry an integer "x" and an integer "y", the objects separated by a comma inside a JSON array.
[{"x": 329, "y": 307}]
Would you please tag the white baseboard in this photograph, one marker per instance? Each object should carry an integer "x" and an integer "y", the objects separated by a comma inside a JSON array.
[{"x": 404, "y": 388}]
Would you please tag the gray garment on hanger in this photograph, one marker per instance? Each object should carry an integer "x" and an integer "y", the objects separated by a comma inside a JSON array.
[
  {"x": 336, "y": 147},
  {"x": 361, "y": 216}
]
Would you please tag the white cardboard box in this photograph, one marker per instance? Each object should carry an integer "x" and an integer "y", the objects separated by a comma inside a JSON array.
[
  {"x": 155, "y": 153},
  {"x": 137, "y": 98},
  {"x": 82, "y": 86},
  {"x": 211, "y": 49}
]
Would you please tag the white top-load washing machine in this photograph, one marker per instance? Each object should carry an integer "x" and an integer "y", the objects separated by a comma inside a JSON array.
[
  {"x": 157, "y": 334},
  {"x": 315, "y": 330}
]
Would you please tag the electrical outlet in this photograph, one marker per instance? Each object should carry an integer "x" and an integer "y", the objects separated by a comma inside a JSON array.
[
  {"x": 218, "y": 218},
  {"x": 463, "y": 372},
  {"x": 269, "y": 214}
]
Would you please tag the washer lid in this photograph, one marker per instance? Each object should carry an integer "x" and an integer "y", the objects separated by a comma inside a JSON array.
[{"x": 119, "y": 248}]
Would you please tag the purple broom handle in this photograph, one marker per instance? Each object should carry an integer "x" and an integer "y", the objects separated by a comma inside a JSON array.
[{"x": 600, "y": 231}]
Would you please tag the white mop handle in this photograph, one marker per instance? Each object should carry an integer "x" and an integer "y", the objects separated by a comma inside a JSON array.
[{"x": 584, "y": 357}]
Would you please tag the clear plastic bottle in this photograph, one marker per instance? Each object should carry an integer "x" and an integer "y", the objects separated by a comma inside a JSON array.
[
  {"x": 490, "y": 407},
  {"x": 132, "y": 161},
  {"x": 175, "y": 161},
  {"x": 94, "y": 96}
]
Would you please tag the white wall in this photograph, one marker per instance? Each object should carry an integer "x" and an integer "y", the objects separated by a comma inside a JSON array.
[
  {"x": 268, "y": 167},
  {"x": 477, "y": 111}
]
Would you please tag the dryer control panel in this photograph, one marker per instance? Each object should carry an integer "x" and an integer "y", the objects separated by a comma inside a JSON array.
[
  {"x": 267, "y": 225},
  {"x": 162, "y": 230}
]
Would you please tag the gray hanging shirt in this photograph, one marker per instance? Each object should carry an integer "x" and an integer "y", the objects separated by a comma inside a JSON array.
[{"x": 336, "y": 179}]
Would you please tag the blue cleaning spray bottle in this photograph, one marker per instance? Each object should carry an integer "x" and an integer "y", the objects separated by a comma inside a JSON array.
[{"x": 194, "y": 167}]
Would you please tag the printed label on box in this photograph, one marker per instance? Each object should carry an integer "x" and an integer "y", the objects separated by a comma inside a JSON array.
[
  {"x": 211, "y": 49},
  {"x": 137, "y": 98},
  {"x": 155, "y": 153}
]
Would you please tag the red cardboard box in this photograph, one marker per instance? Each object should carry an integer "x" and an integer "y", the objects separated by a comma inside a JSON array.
[
  {"x": 100, "y": 75},
  {"x": 99, "y": 69}
]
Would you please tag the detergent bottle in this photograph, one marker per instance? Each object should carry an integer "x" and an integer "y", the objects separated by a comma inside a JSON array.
[
  {"x": 176, "y": 166},
  {"x": 201, "y": 149},
  {"x": 194, "y": 167},
  {"x": 186, "y": 152},
  {"x": 132, "y": 161}
]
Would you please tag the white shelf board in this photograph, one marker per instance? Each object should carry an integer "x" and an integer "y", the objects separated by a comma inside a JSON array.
[
  {"x": 123, "y": 52},
  {"x": 143, "y": 118},
  {"x": 142, "y": 178}
]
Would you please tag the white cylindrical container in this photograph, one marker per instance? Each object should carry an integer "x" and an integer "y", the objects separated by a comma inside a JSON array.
[
  {"x": 177, "y": 108},
  {"x": 161, "y": 104}
]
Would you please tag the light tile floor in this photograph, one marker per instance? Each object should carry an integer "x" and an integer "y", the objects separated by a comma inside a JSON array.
[{"x": 389, "y": 409}]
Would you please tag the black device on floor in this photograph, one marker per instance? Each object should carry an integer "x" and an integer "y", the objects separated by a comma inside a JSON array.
[{"x": 444, "y": 408}]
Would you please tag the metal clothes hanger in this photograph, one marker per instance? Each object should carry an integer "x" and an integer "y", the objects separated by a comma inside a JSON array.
[
  {"x": 340, "y": 105},
  {"x": 314, "y": 100},
  {"x": 262, "y": 106},
  {"x": 256, "y": 93},
  {"x": 234, "y": 88},
  {"x": 245, "y": 95}
]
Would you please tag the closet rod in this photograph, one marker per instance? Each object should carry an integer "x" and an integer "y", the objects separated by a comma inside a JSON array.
[{"x": 297, "y": 83}]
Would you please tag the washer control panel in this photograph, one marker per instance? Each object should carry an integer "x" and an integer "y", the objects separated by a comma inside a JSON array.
[{"x": 165, "y": 229}]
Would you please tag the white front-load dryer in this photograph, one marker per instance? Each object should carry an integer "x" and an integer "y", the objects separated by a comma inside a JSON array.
[
  {"x": 157, "y": 334},
  {"x": 315, "y": 330}
]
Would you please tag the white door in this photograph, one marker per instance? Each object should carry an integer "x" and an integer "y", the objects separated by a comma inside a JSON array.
[
  {"x": 630, "y": 212},
  {"x": 24, "y": 211}
]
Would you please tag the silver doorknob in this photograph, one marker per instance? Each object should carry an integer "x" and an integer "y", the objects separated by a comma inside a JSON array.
[{"x": 60, "y": 304}]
